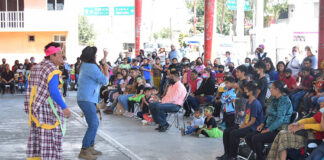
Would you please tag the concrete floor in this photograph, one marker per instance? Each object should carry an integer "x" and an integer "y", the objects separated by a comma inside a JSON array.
[{"x": 118, "y": 137}]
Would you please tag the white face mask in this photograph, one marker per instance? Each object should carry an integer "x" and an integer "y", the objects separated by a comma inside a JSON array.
[{"x": 294, "y": 53}]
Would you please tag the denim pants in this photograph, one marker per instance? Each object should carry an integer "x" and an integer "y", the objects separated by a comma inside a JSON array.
[
  {"x": 191, "y": 129},
  {"x": 194, "y": 102},
  {"x": 295, "y": 98},
  {"x": 90, "y": 112},
  {"x": 317, "y": 154},
  {"x": 317, "y": 101},
  {"x": 159, "y": 110},
  {"x": 123, "y": 100}
]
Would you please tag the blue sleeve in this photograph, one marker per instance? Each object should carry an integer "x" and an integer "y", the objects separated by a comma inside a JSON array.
[
  {"x": 99, "y": 76},
  {"x": 54, "y": 91}
]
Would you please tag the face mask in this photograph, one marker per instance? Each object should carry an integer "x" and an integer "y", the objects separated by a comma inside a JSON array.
[
  {"x": 199, "y": 63},
  {"x": 65, "y": 61},
  {"x": 172, "y": 81},
  {"x": 167, "y": 63},
  {"x": 294, "y": 53},
  {"x": 231, "y": 68},
  {"x": 185, "y": 63},
  {"x": 288, "y": 77},
  {"x": 247, "y": 64},
  {"x": 322, "y": 110},
  {"x": 221, "y": 71},
  {"x": 32, "y": 61},
  {"x": 21, "y": 67}
]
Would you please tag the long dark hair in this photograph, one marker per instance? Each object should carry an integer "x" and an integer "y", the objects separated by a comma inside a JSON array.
[
  {"x": 89, "y": 55},
  {"x": 281, "y": 62}
]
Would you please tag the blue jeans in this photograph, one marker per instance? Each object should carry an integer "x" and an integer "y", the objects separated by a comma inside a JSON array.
[
  {"x": 159, "y": 110},
  {"x": 76, "y": 78},
  {"x": 90, "y": 112},
  {"x": 191, "y": 129},
  {"x": 295, "y": 98},
  {"x": 194, "y": 102},
  {"x": 123, "y": 100},
  {"x": 317, "y": 154}
]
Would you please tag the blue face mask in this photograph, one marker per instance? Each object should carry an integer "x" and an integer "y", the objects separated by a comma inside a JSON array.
[{"x": 247, "y": 64}]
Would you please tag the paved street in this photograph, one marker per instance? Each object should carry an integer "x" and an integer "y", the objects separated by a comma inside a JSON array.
[{"x": 119, "y": 138}]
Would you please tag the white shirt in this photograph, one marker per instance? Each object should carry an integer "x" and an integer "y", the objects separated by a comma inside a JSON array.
[{"x": 197, "y": 122}]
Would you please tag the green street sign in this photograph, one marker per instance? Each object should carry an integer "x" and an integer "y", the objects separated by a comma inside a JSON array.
[
  {"x": 232, "y": 5},
  {"x": 96, "y": 11},
  {"x": 124, "y": 11}
]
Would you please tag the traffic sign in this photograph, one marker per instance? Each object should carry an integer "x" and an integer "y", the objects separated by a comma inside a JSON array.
[
  {"x": 96, "y": 11},
  {"x": 232, "y": 5},
  {"x": 124, "y": 11}
]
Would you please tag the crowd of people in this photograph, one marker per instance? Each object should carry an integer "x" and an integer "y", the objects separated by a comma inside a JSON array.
[{"x": 254, "y": 101}]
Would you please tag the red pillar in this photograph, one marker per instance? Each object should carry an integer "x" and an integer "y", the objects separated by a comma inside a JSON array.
[
  {"x": 209, "y": 26},
  {"x": 321, "y": 35},
  {"x": 138, "y": 19}
]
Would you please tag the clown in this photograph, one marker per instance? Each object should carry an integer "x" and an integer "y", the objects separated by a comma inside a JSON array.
[{"x": 45, "y": 106}]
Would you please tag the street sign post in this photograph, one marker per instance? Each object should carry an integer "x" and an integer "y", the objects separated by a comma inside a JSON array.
[
  {"x": 124, "y": 11},
  {"x": 232, "y": 5},
  {"x": 96, "y": 11}
]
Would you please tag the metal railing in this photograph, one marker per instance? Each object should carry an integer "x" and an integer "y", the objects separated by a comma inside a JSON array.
[{"x": 11, "y": 19}]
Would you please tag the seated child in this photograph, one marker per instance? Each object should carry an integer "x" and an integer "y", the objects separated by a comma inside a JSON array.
[
  {"x": 144, "y": 103},
  {"x": 136, "y": 98},
  {"x": 210, "y": 128},
  {"x": 21, "y": 82},
  {"x": 195, "y": 124},
  {"x": 155, "y": 95}
]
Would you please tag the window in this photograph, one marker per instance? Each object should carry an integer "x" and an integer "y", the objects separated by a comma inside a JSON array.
[
  {"x": 59, "y": 38},
  {"x": 55, "y": 5},
  {"x": 31, "y": 38},
  {"x": 11, "y": 5}
]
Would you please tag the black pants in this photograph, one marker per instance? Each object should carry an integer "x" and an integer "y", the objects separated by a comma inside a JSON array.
[
  {"x": 229, "y": 119},
  {"x": 187, "y": 107},
  {"x": 64, "y": 87},
  {"x": 12, "y": 87},
  {"x": 131, "y": 106},
  {"x": 257, "y": 140},
  {"x": 218, "y": 107},
  {"x": 231, "y": 139}
]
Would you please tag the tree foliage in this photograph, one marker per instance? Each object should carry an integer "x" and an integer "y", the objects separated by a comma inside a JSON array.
[
  {"x": 87, "y": 35},
  {"x": 273, "y": 8}
]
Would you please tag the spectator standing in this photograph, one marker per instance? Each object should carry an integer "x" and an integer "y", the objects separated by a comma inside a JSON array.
[
  {"x": 228, "y": 58},
  {"x": 146, "y": 68},
  {"x": 262, "y": 83},
  {"x": 77, "y": 66},
  {"x": 157, "y": 70},
  {"x": 294, "y": 63},
  {"x": 173, "y": 53}
]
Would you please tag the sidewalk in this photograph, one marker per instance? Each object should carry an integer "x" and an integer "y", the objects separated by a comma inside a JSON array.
[{"x": 14, "y": 133}]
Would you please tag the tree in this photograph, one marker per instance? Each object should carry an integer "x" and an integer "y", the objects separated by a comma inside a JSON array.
[
  {"x": 155, "y": 36},
  {"x": 87, "y": 35},
  {"x": 180, "y": 39},
  {"x": 274, "y": 8},
  {"x": 165, "y": 33},
  {"x": 228, "y": 15}
]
